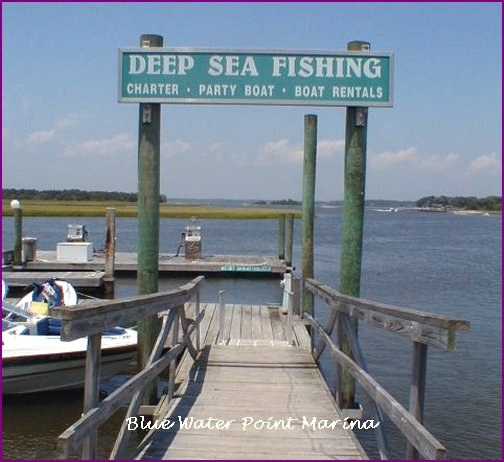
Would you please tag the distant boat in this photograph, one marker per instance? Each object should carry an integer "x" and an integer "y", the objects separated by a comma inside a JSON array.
[
  {"x": 433, "y": 208},
  {"x": 472, "y": 212},
  {"x": 389, "y": 210},
  {"x": 35, "y": 359}
]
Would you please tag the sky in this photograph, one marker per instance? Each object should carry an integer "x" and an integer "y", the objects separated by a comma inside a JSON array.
[{"x": 63, "y": 127}]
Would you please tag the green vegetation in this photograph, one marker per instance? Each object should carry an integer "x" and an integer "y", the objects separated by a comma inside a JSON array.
[
  {"x": 71, "y": 195},
  {"x": 52, "y": 208},
  {"x": 490, "y": 203},
  {"x": 279, "y": 202}
]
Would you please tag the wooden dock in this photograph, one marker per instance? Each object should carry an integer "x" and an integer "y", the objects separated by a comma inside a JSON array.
[
  {"x": 248, "y": 389},
  {"x": 79, "y": 279},
  {"x": 125, "y": 262},
  {"x": 244, "y": 380},
  {"x": 249, "y": 379}
]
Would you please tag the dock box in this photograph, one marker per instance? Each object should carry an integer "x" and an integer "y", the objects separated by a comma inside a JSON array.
[{"x": 74, "y": 252}]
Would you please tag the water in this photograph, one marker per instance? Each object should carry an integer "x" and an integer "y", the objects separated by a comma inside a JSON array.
[{"x": 441, "y": 263}]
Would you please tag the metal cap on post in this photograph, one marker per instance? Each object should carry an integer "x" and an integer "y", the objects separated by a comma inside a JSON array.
[
  {"x": 358, "y": 45},
  {"x": 151, "y": 41}
]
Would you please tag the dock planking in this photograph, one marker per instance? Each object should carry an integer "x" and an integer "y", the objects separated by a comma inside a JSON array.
[
  {"x": 248, "y": 386},
  {"x": 249, "y": 265},
  {"x": 79, "y": 279},
  {"x": 253, "y": 375}
]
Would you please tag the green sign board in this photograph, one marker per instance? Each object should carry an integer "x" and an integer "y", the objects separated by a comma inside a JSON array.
[{"x": 189, "y": 76}]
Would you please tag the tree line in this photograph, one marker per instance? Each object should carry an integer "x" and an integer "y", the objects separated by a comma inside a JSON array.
[
  {"x": 71, "y": 195},
  {"x": 490, "y": 203}
]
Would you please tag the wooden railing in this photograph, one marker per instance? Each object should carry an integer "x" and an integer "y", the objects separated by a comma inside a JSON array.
[
  {"x": 424, "y": 329},
  {"x": 91, "y": 320}
]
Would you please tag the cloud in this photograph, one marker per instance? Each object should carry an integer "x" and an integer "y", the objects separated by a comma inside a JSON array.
[
  {"x": 278, "y": 151},
  {"x": 174, "y": 148},
  {"x": 119, "y": 143},
  {"x": 41, "y": 137},
  {"x": 491, "y": 163},
  {"x": 438, "y": 163},
  {"x": 329, "y": 148},
  {"x": 281, "y": 151},
  {"x": 388, "y": 159},
  {"x": 46, "y": 136}
]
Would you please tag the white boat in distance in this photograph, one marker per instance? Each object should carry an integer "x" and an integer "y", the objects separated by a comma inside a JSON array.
[{"x": 34, "y": 359}]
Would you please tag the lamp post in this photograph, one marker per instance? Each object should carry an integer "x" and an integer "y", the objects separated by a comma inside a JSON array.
[{"x": 18, "y": 231}]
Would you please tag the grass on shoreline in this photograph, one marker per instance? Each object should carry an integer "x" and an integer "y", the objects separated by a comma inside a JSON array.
[{"x": 49, "y": 208}]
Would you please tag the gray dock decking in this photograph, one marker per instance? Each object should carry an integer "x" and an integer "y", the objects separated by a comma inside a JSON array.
[
  {"x": 78, "y": 279},
  {"x": 253, "y": 377},
  {"x": 127, "y": 262}
]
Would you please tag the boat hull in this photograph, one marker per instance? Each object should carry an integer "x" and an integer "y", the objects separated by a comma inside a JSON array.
[{"x": 52, "y": 370}]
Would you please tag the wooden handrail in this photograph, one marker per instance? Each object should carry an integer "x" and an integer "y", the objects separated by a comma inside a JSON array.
[
  {"x": 424, "y": 329},
  {"x": 171, "y": 304},
  {"x": 431, "y": 329},
  {"x": 414, "y": 431},
  {"x": 83, "y": 320}
]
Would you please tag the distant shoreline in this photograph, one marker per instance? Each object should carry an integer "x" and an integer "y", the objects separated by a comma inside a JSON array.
[{"x": 53, "y": 208}]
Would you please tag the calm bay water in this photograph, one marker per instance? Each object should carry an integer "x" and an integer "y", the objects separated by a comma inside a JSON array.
[{"x": 436, "y": 262}]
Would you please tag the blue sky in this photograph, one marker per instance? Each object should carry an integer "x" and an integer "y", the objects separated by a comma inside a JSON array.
[{"x": 62, "y": 126}]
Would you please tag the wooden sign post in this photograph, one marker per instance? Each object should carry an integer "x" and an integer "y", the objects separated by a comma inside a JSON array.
[
  {"x": 353, "y": 222},
  {"x": 148, "y": 217}
]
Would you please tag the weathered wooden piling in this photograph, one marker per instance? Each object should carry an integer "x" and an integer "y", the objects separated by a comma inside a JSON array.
[
  {"x": 289, "y": 227},
  {"x": 353, "y": 219},
  {"x": 108, "y": 277},
  {"x": 281, "y": 236},
  {"x": 309, "y": 175},
  {"x": 148, "y": 216}
]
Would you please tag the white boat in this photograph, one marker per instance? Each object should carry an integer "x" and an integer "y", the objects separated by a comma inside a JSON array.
[
  {"x": 34, "y": 359},
  {"x": 389, "y": 210}
]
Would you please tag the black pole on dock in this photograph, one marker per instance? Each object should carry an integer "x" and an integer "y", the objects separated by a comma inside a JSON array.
[
  {"x": 353, "y": 220},
  {"x": 148, "y": 217},
  {"x": 309, "y": 175}
]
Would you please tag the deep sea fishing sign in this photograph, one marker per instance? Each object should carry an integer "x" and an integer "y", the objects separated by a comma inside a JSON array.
[{"x": 193, "y": 76}]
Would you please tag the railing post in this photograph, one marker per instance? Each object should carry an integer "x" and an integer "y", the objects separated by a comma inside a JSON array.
[
  {"x": 196, "y": 316},
  {"x": 92, "y": 391},
  {"x": 417, "y": 389},
  {"x": 173, "y": 363},
  {"x": 222, "y": 314},
  {"x": 289, "y": 317}
]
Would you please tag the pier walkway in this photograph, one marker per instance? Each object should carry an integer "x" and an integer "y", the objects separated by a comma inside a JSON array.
[
  {"x": 266, "y": 402},
  {"x": 244, "y": 380},
  {"x": 264, "y": 388}
]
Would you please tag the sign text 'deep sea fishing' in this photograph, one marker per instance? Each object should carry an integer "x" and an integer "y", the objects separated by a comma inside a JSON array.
[{"x": 163, "y": 75}]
